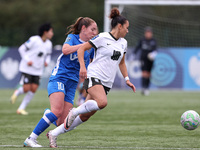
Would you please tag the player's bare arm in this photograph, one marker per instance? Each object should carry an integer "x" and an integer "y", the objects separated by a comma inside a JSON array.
[
  {"x": 81, "y": 50},
  {"x": 123, "y": 69}
]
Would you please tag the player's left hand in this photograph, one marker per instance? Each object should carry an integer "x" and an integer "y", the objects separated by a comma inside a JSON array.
[
  {"x": 45, "y": 64},
  {"x": 131, "y": 85}
]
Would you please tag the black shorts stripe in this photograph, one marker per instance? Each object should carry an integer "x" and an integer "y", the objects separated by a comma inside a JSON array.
[{"x": 90, "y": 82}]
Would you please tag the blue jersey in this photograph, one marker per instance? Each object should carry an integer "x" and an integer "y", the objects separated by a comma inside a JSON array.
[{"x": 67, "y": 66}]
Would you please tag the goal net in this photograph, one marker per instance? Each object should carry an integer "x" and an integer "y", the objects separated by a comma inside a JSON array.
[
  {"x": 176, "y": 27},
  {"x": 175, "y": 24}
]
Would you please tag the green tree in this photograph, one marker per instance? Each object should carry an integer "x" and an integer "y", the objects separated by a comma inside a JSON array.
[{"x": 20, "y": 19}]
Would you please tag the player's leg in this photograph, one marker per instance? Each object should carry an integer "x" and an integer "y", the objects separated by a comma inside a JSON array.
[
  {"x": 70, "y": 90},
  {"x": 67, "y": 107},
  {"x": 56, "y": 102},
  {"x": 146, "y": 75},
  {"x": 30, "y": 89},
  {"x": 98, "y": 101},
  {"x": 52, "y": 135},
  {"x": 18, "y": 91},
  {"x": 56, "y": 92}
]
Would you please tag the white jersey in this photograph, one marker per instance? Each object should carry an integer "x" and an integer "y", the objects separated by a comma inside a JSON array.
[
  {"x": 37, "y": 51},
  {"x": 108, "y": 54}
]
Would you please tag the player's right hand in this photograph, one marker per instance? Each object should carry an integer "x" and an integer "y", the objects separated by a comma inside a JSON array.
[
  {"x": 83, "y": 73},
  {"x": 30, "y": 63}
]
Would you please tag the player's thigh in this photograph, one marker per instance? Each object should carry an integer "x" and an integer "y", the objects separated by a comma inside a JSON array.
[
  {"x": 57, "y": 103},
  {"x": 34, "y": 87},
  {"x": 26, "y": 87},
  {"x": 97, "y": 93},
  {"x": 35, "y": 81},
  {"x": 26, "y": 81}
]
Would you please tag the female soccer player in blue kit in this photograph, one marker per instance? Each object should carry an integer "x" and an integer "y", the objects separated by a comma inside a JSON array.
[{"x": 65, "y": 76}]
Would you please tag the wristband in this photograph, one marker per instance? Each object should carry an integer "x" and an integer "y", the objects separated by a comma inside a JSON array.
[{"x": 126, "y": 78}]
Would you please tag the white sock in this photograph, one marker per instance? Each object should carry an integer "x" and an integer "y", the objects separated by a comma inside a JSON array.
[
  {"x": 33, "y": 136},
  {"x": 61, "y": 129},
  {"x": 26, "y": 100},
  {"x": 88, "y": 106},
  {"x": 19, "y": 91}
]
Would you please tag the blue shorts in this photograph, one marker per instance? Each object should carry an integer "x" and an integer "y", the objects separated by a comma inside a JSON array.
[{"x": 68, "y": 88}]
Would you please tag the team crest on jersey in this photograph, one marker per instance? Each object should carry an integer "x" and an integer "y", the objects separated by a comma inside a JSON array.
[
  {"x": 95, "y": 37},
  {"x": 67, "y": 39},
  {"x": 28, "y": 41}
]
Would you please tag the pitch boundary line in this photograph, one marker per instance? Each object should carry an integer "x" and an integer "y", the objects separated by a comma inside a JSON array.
[{"x": 112, "y": 147}]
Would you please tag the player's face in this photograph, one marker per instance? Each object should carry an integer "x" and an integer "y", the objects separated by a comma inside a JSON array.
[
  {"x": 124, "y": 29},
  {"x": 49, "y": 34},
  {"x": 148, "y": 34},
  {"x": 91, "y": 31}
]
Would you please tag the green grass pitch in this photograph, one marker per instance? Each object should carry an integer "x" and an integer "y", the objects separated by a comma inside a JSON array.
[{"x": 130, "y": 121}]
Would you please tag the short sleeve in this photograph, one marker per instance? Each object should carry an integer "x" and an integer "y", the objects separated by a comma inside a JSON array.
[
  {"x": 69, "y": 40},
  {"x": 96, "y": 42},
  {"x": 30, "y": 42}
]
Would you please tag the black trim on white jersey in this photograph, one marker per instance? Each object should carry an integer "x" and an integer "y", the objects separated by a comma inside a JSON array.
[
  {"x": 27, "y": 48},
  {"x": 95, "y": 48},
  {"x": 92, "y": 44},
  {"x": 113, "y": 36}
]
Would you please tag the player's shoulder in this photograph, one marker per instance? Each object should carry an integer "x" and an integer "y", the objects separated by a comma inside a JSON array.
[
  {"x": 48, "y": 42},
  {"x": 71, "y": 37},
  {"x": 35, "y": 37},
  {"x": 104, "y": 34}
]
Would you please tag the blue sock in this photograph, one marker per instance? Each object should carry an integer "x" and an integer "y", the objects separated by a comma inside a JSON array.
[
  {"x": 44, "y": 123},
  {"x": 55, "y": 123}
]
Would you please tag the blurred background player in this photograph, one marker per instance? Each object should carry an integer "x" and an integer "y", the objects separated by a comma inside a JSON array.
[
  {"x": 148, "y": 47},
  {"x": 35, "y": 54},
  {"x": 65, "y": 77}
]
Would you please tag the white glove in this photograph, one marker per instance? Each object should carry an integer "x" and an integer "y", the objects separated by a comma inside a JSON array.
[{"x": 152, "y": 55}]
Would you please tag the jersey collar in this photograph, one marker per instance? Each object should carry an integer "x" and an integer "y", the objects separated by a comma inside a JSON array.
[{"x": 113, "y": 37}]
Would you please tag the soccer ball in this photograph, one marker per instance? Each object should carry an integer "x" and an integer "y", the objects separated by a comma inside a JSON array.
[{"x": 190, "y": 120}]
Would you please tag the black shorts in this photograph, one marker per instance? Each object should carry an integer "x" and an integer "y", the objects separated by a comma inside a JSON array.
[
  {"x": 146, "y": 64},
  {"x": 89, "y": 82},
  {"x": 28, "y": 79}
]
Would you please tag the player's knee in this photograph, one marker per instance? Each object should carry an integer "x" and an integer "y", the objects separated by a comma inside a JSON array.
[
  {"x": 103, "y": 104},
  {"x": 57, "y": 112}
]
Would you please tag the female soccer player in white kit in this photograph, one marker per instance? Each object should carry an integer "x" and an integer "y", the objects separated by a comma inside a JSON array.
[
  {"x": 36, "y": 54},
  {"x": 110, "y": 49}
]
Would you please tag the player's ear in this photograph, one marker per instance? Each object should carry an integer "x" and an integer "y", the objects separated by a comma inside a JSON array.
[
  {"x": 119, "y": 26},
  {"x": 83, "y": 28}
]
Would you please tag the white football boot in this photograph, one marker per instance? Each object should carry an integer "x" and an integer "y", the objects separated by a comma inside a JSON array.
[
  {"x": 70, "y": 118},
  {"x": 31, "y": 143},
  {"x": 52, "y": 140}
]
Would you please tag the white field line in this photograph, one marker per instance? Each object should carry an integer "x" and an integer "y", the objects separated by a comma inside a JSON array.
[{"x": 111, "y": 147}]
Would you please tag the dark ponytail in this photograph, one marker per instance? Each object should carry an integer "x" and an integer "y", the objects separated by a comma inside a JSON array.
[{"x": 116, "y": 18}]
